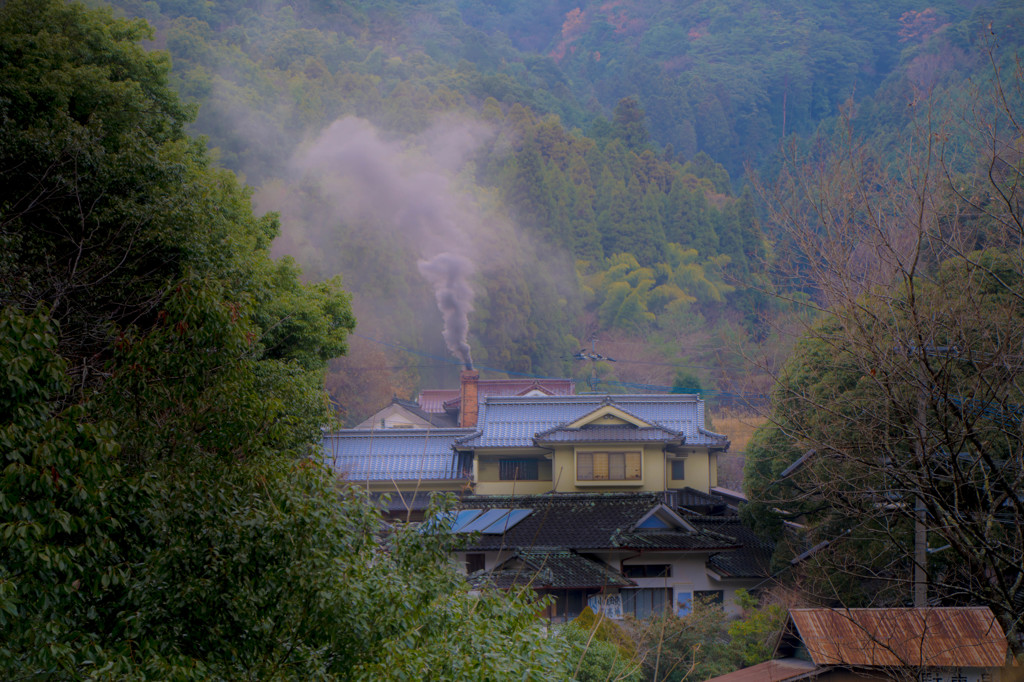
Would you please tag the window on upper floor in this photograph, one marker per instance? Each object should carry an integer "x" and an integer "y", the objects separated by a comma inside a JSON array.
[
  {"x": 609, "y": 466},
  {"x": 678, "y": 469},
  {"x": 519, "y": 470}
]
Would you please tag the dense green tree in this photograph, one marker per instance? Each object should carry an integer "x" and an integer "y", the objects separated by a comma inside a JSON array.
[
  {"x": 161, "y": 395},
  {"x": 630, "y": 124}
]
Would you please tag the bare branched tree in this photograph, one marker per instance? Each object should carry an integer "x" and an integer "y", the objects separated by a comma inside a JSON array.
[{"x": 900, "y": 416}]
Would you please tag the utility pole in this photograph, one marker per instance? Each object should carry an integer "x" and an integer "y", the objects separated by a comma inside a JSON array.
[{"x": 920, "y": 513}]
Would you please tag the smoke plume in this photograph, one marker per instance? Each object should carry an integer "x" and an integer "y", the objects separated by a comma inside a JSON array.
[
  {"x": 407, "y": 191},
  {"x": 449, "y": 274}
]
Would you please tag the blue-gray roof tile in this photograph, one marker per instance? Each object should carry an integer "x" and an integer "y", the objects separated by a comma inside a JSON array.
[
  {"x": 608, "y": 433},
  {"x": 397, "y": 454},
  {"x": 514, "y": 422}
]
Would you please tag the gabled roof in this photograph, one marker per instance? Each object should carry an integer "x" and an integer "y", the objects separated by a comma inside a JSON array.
[
  {"x": 412, "y": 409},
  {"x": 550, "y": 568},
  {"x": 437, "y": 400},
  {"x": 439, "y": 420},
  {"x": 589, "y": 521},
  {"x": 613, "y": 433},
  {"x": 956, "y": 637},
  {"x": 513, "y": 422},
  {"x": 607, "y": 413},
  {"x": 397, "y": 454}
]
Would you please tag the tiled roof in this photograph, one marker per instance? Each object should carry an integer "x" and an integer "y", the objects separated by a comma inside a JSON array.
[
  {"x": 398, "y": 502},
  {"x": 439, "y": 420},
  {"x": 551, "y": 568},
  {"x": 397, "y": 454},
  {"x": 584, "y": 521},
  {"x": 513, "y": 422},
  {"x": 608, "y": 434},
  {"x": 659, "y": 539},
  {"x": 751, "y": 560},
  {"x": 435, "y": 399},
  {"x": 695, "y": 500}
]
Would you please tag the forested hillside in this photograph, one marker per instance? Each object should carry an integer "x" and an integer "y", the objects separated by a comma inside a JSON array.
[{"x": 588, "y": 162}]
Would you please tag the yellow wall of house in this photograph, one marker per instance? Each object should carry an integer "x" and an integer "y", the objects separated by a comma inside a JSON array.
[
  {"x": 513, "y": 488},
  {"x": 395, "y": 487},
  {"x": 564, "y": 471},
  {"x": 677, "y": 482},
  {"x": 488, "y": 470},
  {"x": 488, "y": 478},
  {"x": 700, "y": 471},
  {"x": 657, "y": 471}
]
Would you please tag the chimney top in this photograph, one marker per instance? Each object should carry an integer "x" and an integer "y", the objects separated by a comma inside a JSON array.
[{"x": 469, "y": 394}]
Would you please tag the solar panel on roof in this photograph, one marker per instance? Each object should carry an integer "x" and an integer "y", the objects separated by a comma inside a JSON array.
[
  {"x": 436, "y": 523},
  {"x": 484, "y": 520},
  {"x": 465, "y": 516},
  {"x": 506, "y": 522}
]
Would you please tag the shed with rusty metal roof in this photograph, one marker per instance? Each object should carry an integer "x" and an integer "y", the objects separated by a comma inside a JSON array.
[{"x": 938, "y": 637}]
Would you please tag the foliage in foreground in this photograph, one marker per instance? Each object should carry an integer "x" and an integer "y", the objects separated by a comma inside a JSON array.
[
  {"x": 705, "y": 643},
  {"x": 201, "y": 570},
  {"x": 669, "y": 648},
  {"x": 160, "y": 394}
]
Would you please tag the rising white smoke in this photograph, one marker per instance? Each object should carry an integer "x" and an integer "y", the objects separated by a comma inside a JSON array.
[{"x": 407, "y": 188}]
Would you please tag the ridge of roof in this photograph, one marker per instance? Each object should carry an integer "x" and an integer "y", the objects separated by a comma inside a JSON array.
[
  {"x": 609, "y": 431},
  {"x": 514, "y": 421},
  {"x": 439, "y": 431},
  {"x": 600, "y": 398}
]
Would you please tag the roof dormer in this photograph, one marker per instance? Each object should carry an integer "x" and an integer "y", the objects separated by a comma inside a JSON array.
[{"x": 662, "y": 517}]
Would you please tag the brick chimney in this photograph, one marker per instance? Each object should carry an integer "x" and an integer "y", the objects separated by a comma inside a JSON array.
[{"x": 469, "y": 407}]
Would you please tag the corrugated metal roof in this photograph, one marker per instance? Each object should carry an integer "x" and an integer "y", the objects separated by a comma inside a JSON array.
[
  {"x": 779, "y": 670},
  {"x": 513, "y": 422},
  {"x": 397, "y": 454},
  {"x": 960, "y": 637}
]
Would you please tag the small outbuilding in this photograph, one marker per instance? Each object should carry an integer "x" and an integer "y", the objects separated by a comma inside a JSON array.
[{"x": 951, "y": 644}]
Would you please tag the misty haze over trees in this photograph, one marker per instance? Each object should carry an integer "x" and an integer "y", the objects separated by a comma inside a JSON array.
[
  {"x": 830, "y": 190},
  {"x": 590, "y": 161}
]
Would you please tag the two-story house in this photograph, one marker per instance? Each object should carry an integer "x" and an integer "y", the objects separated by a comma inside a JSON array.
[{"x": 612, "y": 495}]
